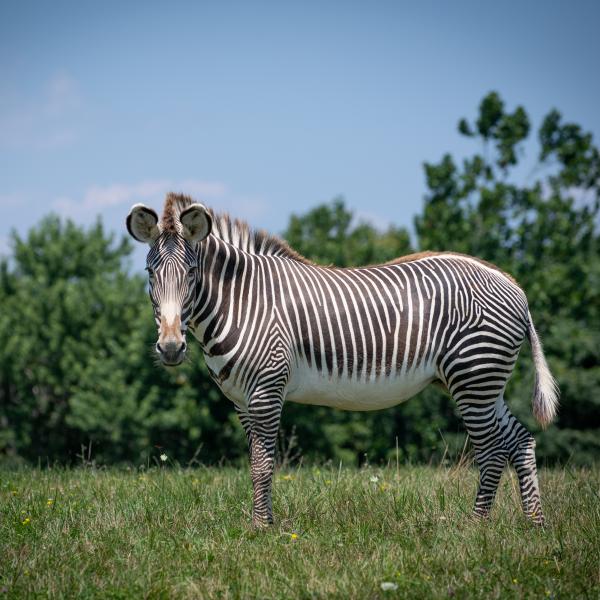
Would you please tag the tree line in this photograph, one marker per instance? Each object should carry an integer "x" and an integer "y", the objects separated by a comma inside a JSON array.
[{"x": 77, "y": 376}]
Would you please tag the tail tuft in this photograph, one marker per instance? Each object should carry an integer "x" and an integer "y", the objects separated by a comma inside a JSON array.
[{"x": 546, "y": 392}]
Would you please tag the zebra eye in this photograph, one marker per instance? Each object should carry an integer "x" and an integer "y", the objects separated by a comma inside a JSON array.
[{"x": 150, "y": 272}]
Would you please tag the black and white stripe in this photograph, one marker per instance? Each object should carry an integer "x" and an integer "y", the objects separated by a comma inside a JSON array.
[{"x": 275, "y": 327}]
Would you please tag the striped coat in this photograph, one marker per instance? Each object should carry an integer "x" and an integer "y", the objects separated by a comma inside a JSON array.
[{"x": 274, "y": 327}]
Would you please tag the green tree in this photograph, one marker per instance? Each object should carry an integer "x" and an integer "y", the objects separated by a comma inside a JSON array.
[
  {"x": 76, "y": 332},
  {"x": 76, "y": 328},
  {"x": 328, "y": 234},
  {"x": 543, "y": 231}
]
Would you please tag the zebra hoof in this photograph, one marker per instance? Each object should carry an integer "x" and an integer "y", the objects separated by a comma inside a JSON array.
[
  {"x": 480, "y": 516},
  {"x": 258, "y": 523},
  {"x": 537, "y": 520}
]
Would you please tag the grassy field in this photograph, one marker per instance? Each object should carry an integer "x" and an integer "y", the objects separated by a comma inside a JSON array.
[{"x": 172, "y": 533}]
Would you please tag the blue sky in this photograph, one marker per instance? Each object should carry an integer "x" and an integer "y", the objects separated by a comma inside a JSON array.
[{"x": 267, "y": 108}]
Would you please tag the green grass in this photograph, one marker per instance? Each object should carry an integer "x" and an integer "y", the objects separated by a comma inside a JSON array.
[{"x": 170, "y": 533}]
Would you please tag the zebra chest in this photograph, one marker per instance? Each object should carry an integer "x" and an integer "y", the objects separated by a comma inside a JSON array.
[{"x": 229, "y": 387}]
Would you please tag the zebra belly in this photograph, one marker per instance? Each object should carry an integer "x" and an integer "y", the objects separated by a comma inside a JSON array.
[{"x": 309, "y": 386}]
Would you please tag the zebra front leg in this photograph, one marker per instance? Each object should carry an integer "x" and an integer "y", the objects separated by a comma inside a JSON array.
[{"x": 261, "y": 423}]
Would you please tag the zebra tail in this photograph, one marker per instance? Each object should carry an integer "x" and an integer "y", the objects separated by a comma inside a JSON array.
[{"x": 546, "y": 392}]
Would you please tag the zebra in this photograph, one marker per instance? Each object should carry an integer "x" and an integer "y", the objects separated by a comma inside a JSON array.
[{"x": 274, "y": 326}]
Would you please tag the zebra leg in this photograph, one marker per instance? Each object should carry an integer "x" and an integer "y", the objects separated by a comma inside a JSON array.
[
  {"x": 475, "y": 373},
  {"x": 521, "y": 450},
  {"x": 261, "y": 423},
  {"x": 246, "y": 422},
  {"x": 490, "y": 451}
]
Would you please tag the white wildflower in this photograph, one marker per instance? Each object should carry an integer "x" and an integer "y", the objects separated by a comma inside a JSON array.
[
  {"x": 388, "y": 586},
  {"x": 163, "y": 457}
]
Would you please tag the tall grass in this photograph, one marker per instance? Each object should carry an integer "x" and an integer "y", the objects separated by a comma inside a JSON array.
[{"x": 173, "y": 533}]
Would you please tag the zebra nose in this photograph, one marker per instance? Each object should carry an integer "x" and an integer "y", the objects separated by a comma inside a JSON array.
[{"x": 172, "y": 352}]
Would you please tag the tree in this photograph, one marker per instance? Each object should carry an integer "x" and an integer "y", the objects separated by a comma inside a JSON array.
[
  {"x": 327, "y": 234},
  {"x": 545, "y": 233},
  {"x": 76, "y": 328},
  {"x": 75, "y": 363}
]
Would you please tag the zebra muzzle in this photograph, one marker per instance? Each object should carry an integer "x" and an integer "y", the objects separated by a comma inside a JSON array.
[{"x": 171, "y": 345}]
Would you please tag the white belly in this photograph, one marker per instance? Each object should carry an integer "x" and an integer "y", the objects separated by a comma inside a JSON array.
[{"x": 308, "y": 386}]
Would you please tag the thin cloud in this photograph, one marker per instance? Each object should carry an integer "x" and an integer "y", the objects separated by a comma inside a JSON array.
[
  {"x": 7, "y": 200},
  {"x": 380, "y": 223},
  {"x": 97, "y": 198},
  {"x": 42, "y": 123},
  {"x": 61, "y": 95},
  {"x": 116, "y": 199}
]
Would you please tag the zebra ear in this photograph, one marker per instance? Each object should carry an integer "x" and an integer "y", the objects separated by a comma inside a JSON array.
[
  {"x": 196, "y": 222},
  {"x": 142, "y": 224}
]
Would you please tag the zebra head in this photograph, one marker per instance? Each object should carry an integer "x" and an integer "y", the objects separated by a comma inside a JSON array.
[{"x": 173, "y": 270}]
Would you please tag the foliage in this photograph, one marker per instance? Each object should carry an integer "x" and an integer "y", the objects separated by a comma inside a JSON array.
[
  {"x": 76, "y": 369},
  {"x": 327, "y": 235},
  {"x": 171, "y": 533},
  {"x": 76, "y": 328},
  {"x": 545, "y": 233}
]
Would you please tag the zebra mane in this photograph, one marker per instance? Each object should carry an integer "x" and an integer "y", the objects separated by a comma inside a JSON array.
[
  {"x": 233, "y": 231},
  {"x": 257, "y": 241}
]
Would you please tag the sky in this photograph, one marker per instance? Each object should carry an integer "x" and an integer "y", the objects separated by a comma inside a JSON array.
[{"x": 265, "y": 109}]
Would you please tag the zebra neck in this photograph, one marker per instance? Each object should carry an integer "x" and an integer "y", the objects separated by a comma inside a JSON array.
[{"x": 227, "y": 278}]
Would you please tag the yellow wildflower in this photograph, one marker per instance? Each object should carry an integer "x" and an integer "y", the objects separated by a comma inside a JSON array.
[
  {"x": 515, "y": 581},
  {"x": 287, "y": 477},
  {"x": 26, "y": 521},
  {"x": 50, "y": 502},
  {"x": 294, "y": 536}
]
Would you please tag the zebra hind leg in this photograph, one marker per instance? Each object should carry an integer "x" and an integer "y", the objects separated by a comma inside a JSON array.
[
  {"x": 521, "y": 450},
  {"x": 490, "y": 451},
  {"x": 476, "y": 384}
]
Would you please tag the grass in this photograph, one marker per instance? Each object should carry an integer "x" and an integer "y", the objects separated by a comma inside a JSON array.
[{"x": 179, "y": 533}]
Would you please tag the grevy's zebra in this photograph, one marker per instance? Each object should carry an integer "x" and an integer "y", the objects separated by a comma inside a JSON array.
[{"x": 274, "y": 326}]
